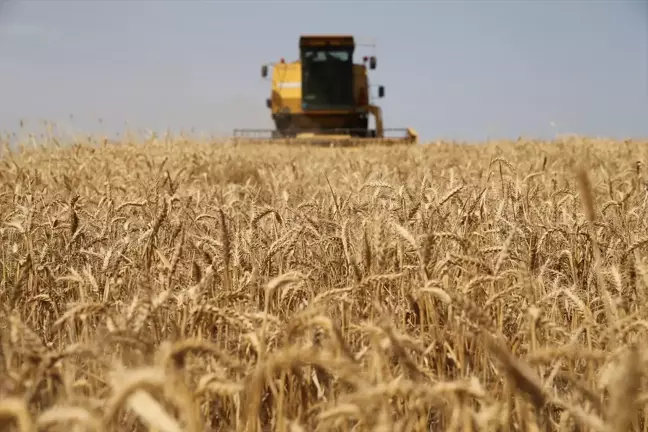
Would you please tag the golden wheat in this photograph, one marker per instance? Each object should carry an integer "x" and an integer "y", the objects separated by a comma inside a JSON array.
[{"x": 186, "y": 285}]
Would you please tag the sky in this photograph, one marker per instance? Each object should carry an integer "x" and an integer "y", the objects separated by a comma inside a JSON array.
[{"x": 452, "y": 70}]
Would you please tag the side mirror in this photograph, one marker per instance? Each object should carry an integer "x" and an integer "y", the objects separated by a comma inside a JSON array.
[
  {"x": 264, "y": 71},
  {"x": 381, "y": 91},
  {"x": 268, "y": 103},
  {"x": 372, "y": 63}
]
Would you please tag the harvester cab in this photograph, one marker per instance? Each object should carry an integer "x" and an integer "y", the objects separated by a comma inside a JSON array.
[{"x": 325, "y": 96}]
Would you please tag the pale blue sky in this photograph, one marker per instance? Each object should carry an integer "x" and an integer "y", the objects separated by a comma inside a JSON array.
[{"x": 452, "y": 70}]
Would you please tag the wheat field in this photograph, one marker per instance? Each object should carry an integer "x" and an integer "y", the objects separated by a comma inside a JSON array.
[{"x": 184, "y": 285}]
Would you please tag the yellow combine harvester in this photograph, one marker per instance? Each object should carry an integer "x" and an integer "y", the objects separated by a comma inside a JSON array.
[{"x": 324, "y": 98}]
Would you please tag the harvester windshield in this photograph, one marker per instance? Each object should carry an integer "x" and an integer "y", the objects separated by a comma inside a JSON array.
[{"x": 327, "y": 78}]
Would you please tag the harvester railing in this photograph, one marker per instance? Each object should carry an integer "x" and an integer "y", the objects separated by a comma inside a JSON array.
[{"x": 352, "y": 132}]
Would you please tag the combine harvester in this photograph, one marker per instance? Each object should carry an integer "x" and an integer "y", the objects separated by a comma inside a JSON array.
[{"x": 324, "y": 98}]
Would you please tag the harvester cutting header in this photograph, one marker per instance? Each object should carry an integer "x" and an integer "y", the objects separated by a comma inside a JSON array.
[{"x": 324, "y": 96}]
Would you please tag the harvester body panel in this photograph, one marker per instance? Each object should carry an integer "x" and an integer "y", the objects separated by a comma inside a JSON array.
[{"x": 286, "y": 88}]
